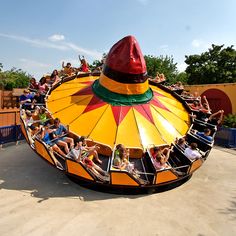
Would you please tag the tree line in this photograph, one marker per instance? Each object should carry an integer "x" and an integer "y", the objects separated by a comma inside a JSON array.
[{"x": 217, "y": 65}]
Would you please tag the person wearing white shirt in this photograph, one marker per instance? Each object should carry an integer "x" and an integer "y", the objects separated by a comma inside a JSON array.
[{"x": 191, "y": 152}]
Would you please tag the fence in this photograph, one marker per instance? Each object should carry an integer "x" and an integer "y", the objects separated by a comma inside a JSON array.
[{"x": 10, "y": 130}]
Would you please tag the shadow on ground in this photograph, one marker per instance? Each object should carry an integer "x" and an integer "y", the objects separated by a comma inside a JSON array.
[{"x": 23, "y": 170}]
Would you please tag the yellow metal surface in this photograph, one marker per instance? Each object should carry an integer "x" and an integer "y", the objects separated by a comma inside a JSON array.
[
  {"x": 154, "y": 88},
  {"x": 180, "y": 125},
  {"x": 76, "y": 169},
  {"x": 68, "y": 112},
  {"x": 165, "y": 176},
  {"x": 121, "y": 178},
  {"x": 148, "y": 132},
  {"x": 161, "y": 123},
  {"x": 121, "y": 88},
  {"x": 178, "y": 112},
  {"x": 42, "y": 151},
  {"x": 167, "y": 130},
  {"x": 102, "y": 132},
  {"x": 128, "y": 133},
  {"x": 85, "y": 123}
]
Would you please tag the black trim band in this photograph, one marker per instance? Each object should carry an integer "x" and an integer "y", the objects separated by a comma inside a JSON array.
[{"x": 124, "y": 78}]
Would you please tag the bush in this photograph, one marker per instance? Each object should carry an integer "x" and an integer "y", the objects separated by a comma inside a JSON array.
[
  {"x": 14, "y": 78},
  {"x": 230, "y": 121}
]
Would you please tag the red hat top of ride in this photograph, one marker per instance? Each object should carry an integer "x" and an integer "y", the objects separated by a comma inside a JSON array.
[{"x": 125, "y": 56}]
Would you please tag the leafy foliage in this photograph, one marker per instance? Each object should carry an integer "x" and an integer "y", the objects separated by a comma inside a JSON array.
[
  {"x": 182, "y": 77},
  {"x": 14, "y": 78},
  {"x": 162, "y": 64},
  {"x": 217, "y": 65},
  {"x": 230, "y": 121}
]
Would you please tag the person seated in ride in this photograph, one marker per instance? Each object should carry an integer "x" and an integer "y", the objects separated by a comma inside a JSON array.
[
  {"x": 43, "y": 115},
  {"x": 121, "y": 160},
  {"x": 195, "y": 106},
  {"x": 191, "y": 152},
  {"x": 157, "y": 78},
  {"x": 77, "y": 154},
  {"x": 29, "y": 122},
  {"x": 177, "y": 86},
  {"x": 162, "y": 78},
  {"x": 214, "y": 119},
  {"x": 26, "y": 100},
  {"x": 187, "y": 95},
  {"x": 120, "y": 157},
  {"x": 59, "y": 135},
  {"x": 84, "y": 67},
  {"x": 68, "y": 70},
  {"x": 204, "y": 110},
  {"x": 181, "y": 142},
  {"x": 45, "y": 136},
  {"x": 206, "y": 134},
  {"x": 38, "y": 99},
  {"x": 89, "y": 151},
  {"x": 161, "y": 156},
  {"x": 54, "y": 78},
  {"x": 33, "y": 85},
  {"x": 43, "y": 86}
]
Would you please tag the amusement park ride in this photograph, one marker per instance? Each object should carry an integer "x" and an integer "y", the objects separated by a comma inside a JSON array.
[{"x": 121, "y": 106}]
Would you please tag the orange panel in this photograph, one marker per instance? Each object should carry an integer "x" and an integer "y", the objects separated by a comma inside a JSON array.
[
  {"x": 121, "y": 178},
  {"x": 76, "y": 169},
  {"x": 165, "y": 176},
  {"x": 195, "y": 165},
  {"x": 42, "y": 151}
]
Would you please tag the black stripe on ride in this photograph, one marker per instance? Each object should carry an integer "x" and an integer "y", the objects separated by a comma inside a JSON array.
[{"x": 124, "y": 78}]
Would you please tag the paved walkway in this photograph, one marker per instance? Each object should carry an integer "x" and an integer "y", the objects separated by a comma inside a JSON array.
[{"x": 36, "y": 199}]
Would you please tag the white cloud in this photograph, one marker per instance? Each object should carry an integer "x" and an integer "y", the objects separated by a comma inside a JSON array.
[
  {"x": 57, "y": 44},
  {"x": 56, "y": 37},
  {"x": 35, "y": 68},
  {"x": 93, "y": 53},
  {"x": 35, "y": 42},
  {"x": 31, "y": 64},
  {"x": 198, "y": 43},
  {"x": 181, "y": 67}
]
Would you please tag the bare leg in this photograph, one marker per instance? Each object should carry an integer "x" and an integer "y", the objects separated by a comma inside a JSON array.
[
  {"x": 57, "y": 149},
  {"x": 99, "y": 169},
  {"x": 64, "y": 145},
  {"x": 70, "y": 141},
  {"x": 95, "y": 156}
]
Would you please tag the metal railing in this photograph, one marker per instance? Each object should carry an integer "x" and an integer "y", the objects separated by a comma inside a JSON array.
[{"x": 10, "y": 131}]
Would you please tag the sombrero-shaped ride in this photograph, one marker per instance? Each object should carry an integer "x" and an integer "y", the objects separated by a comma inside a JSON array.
[{"x": 119, "y": 106}]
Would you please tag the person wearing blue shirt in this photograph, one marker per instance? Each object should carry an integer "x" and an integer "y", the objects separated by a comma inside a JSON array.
[
  {"x": 26, "y": 97},
  {"x": 60, "y": 137},
  {"x": 206, "y": 135}
]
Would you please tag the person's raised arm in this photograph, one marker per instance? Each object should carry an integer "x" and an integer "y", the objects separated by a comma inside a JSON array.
[{"x": 221, "y": 117}]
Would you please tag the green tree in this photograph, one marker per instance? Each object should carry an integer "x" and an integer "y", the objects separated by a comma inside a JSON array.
[
  {"x": 217, "y": 65},
  {"x": 14, "y": 78},
  {"x": 182, "y": 77},
  {"x": 162, "y": 64}
]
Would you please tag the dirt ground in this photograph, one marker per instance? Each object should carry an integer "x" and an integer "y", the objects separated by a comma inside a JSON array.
[{"x": 36, "y": 199}]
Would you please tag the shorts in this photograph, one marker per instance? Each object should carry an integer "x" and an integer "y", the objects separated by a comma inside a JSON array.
[
  {"x": 60, "y": 139},
  {"x": 88, "y": 162},
  {"x": 50, "y": 143},
  {"x": 32, "y": 127}
]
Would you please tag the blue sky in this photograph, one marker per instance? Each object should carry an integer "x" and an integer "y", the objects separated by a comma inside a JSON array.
[{"x": 37, "y": 36}]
